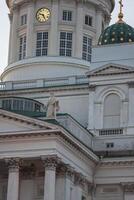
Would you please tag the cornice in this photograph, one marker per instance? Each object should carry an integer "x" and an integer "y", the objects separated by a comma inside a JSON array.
[
  {"x": 10, "y": 2},
  {"x": 58, "y": 134}
]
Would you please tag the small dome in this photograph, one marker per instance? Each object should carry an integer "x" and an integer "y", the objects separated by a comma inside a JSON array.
[{"x": 117, "y": 33}]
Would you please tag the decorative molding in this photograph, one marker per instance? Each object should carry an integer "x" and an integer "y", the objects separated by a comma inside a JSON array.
[
  {"x": 65, "y": 170},
  {"x": 114, "y": 163},
  {"x": 79, "y": 179}
]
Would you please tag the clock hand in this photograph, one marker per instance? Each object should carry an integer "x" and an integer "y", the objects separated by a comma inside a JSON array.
[{"x": 43, "y": 16}]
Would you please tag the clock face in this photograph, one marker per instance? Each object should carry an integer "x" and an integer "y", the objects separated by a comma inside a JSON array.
[{"x": 43, "y": 14}]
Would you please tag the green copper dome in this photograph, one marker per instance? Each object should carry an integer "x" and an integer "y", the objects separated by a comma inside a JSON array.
[{"x": 117, "y": 33}]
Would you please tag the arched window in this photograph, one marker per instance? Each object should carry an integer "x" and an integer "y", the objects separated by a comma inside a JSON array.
[{"x": 112, "y": 105}]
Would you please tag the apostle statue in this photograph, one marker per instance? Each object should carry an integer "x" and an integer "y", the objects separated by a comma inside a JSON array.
[{"x": 52, "y": 106}]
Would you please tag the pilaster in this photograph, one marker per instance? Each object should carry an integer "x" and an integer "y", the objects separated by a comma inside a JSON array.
[
  {"x": 98, "y": 23},
  {"x": 131, "y": 101},
  {"x": 29, "y": 36},
  {"x": 53, "y": 38},
  {"x": 79, "y": 31},
  {"x": 13, "y": 38},
  {"x": 91, "y": 107}
]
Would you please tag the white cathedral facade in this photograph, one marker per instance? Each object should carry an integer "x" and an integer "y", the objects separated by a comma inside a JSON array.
[{"x": 67, "y": 103}]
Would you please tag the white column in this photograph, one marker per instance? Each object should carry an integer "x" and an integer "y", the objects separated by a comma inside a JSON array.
[
  {"x": 13, "y": 179},
  {"x": 29, "y": 36},
  {"x": 13, "y": 38},
  {"x": 91, "y": 108},
  {"x": 77, "y": 190},
  {"x": 50, "y": 164},
  {"x": 53, "y": 36},
  {"x": 64, "y": 182},
  {"x": 98, "y": 24},
  {"x": 79, "y": 31}
]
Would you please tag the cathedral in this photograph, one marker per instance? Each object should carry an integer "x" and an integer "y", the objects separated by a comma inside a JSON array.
[{"x": 67, "y": 102}]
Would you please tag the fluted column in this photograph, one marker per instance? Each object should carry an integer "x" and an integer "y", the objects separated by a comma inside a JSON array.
[
  {"x": 13, "y": 178},
  {"x": 79, "y": 31},
  {"x": 30, "y": 20},
  {"x": 50, "y": 164},
  {"x": 53, "y": 38}
]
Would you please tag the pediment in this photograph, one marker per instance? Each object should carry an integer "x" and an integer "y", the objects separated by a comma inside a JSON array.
[
  {"x": 12, "y": 122},
  {"x": 111, "y": 69}
]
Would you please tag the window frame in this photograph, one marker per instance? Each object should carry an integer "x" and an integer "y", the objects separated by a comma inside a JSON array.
[
  {"x": 88, "y": 21},
  {"x": 66, "y": 43},
  {"x": 42, "y": 43},
  {"x": 87, "y": 48},
  {"x": 67, "y": 15},
  {"x": 22, "y": 47},
  {"x": 23, "y": 19}
]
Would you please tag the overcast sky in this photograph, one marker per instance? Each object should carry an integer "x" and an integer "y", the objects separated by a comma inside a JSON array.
[{"x": 4, "y": 26}]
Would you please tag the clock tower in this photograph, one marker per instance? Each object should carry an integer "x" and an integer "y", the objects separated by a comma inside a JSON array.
[{"x": 53, "y": 38}]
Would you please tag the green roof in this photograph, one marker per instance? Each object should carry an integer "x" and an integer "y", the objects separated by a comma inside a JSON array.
[{"x": 119, "y": 32}]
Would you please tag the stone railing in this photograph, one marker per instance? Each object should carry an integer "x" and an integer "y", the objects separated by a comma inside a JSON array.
[
  {"x": 76, "y": 129},
  {"x": 51, "y": 82},
  {"x": 107, "y": 132}
]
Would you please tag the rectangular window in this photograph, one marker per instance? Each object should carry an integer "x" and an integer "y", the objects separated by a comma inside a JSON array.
[
  {"x": 87, "y": 48},
  {"x": 88, "y": 20},
  {"x": 22, "y": 50},
  {"x": 67, "y": 15},
  {"x": 109, "y": 145},
  {"x": 65, "y": 44},
  {"x": 23, "y": 20},
  {"x": 42, "y": 44}
]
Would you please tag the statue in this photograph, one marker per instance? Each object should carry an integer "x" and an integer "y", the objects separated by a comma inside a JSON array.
[{"x": 52, "y": 106}]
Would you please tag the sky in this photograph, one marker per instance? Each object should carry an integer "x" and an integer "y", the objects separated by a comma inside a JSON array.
[{"x": 4, "y": 26}]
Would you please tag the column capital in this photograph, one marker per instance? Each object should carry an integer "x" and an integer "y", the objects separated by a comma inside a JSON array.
[
  {"x": 50, "y": 162},
  {"x": 66, "y": 169},
  {"x": 13, "y": 163},
  {"x": 92, "y": 88},
  {"x": 131, "y": 84},
  {"x": 128, "y": 187},
  {"x": 79, "y": 179}
]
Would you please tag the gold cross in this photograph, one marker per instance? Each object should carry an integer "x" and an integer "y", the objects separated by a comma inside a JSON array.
[
  {"x": 120, "y": 16},
  {"x": 121, "y": 5}
]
